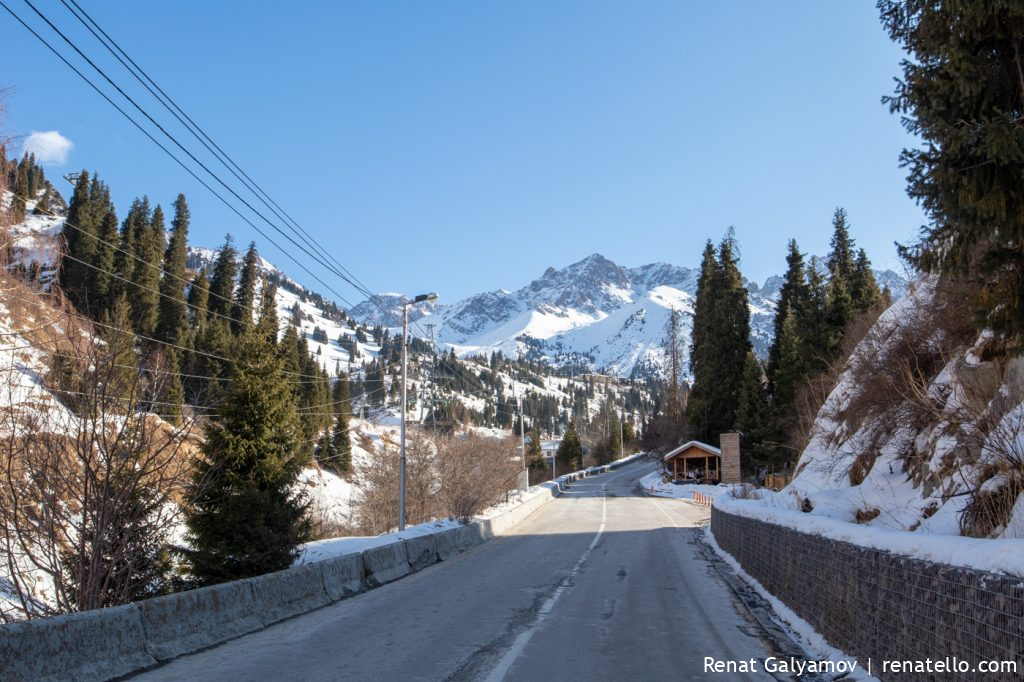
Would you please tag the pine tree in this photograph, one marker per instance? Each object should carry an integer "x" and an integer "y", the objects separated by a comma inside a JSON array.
[
  {"x": 79, "y": 243},
  {"x": 222, "y": 284},
  {"x": 570, "y": 450},
  {"x": 244, "y": 518},
  {"x": 172, "y": 319},
  {"x": 811, "y": 323},
  {"x": 702, "y": 341},
  {"x": 863, "y": 287},
  {"x": 245, "y": 295},
  {"x": 792, "y": 298},
  {"x": 105, "y": 282},
  {"x": 125, "y": 259},
  {"x": 840, "y": 258},
  {"x": 22, "y": 192},
  {"x": 725, "y": 342},
  {"x": 146, "y": 274},
  {"x": 198, "y": 301},
  {"x": 962, "y": 95},
  {"x": 752, "y": 419},
  {"x": 341, "y": 443},
  {"x": 268, "y": 325}
]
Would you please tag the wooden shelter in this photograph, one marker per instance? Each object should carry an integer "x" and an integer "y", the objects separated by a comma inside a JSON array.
[{"x": 695, "y": 460}]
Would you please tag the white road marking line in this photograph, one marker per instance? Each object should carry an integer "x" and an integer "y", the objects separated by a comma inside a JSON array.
[{"x": 505, "y": 663}]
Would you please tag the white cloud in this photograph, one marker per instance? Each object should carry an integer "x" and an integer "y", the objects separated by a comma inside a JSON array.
[{"x": 49, "y": 147}]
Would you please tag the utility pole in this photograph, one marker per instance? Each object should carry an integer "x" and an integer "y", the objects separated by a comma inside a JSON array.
[{"x": 405, "y": 362}]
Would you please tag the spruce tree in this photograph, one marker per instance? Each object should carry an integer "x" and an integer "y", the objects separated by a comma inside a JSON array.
[
  {"x": 245, "y": 295},
  {"x": 863, "y": 287},
  {"x": 269, "y": 324},
  {"x": 570, "y": 450},
  {"x": 840, "y": 257},
  {"x": 105, "y": 282},
  {"x": 198, "y": 301},
  {"x": 132, "y": 229},
  {"x": 962, "y": 95},
  {"x": 752, "y": 417},
  {"x": 222, "y": 283},
  {"x": 146, "y": 274},
  {"x": 21, "y": 192},
  {"x": 792, "y": 298},
  {"x": 172, "y": 319},
  {"x": 811, "y": 323},
  {"x": 341, "y": 444},
  {"x": 725, "y": 342},
  {"x": 245, "y": 518},
  {"x": 79, "y": 243},
  {"x": 702, "y": 340}
]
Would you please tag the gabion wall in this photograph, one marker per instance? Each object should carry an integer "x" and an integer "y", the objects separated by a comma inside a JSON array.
[{"x": 882, "y": 606}]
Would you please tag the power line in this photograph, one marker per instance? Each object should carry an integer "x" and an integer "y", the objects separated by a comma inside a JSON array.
[
  {"x": 203, "y": 137},
  {"x": 167, "y": 151}
]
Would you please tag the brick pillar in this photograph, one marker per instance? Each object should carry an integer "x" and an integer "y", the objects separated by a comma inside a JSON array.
[{"x": 730, "y": 457}]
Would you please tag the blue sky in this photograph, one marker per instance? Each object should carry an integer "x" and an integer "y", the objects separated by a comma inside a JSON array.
[{"x": 460, "y": 147}]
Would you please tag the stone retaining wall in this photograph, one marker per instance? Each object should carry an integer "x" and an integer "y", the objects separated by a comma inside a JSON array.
[{"x": 881, "y": 606}]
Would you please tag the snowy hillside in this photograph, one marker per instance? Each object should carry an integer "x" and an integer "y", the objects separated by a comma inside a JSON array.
[
  {"x": 593, "y": 314},
  {"x": 937, "y": 451}
]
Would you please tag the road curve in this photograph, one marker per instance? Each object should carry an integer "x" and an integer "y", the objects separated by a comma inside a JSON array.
[{"x": 600, "y": 584}]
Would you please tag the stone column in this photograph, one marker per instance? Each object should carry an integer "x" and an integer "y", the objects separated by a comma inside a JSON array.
[{"x": 730, "y": 443}]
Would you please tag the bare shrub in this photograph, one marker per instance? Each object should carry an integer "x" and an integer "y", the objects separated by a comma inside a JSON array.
[
  {"x": 476, "y": 472},
  {"x": 88, "y": 488},
  {"x": 447, "y": 477}
]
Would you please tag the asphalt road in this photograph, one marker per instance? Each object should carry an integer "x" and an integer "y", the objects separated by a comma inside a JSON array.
[{"x": 600, "y": 584}]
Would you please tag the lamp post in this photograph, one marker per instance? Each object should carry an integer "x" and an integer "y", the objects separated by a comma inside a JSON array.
[{"x": 405, "y": 362}]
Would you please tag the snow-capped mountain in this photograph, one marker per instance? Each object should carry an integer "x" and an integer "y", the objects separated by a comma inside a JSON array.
[{"x": 593, "y": 314}]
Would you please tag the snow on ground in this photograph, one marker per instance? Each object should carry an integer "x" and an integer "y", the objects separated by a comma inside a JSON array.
[
  {"x": 913, "y": 512},
  {"x": 653, "y": 485},
  {"x": 995, "y": 555}
]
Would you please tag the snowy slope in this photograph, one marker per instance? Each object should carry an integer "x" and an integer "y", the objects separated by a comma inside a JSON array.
[{"x": 918, "y": 461}]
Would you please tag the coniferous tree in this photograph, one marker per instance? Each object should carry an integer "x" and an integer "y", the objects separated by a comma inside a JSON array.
[
  {"x": 570, "y": 450},
  {"x": 341, "y": 444},
  {"x": 105, "y": 282},
  {"x": 268, "y": 325},
  {"x": 863, "y": 287},
  {"x": 725, "y": 342},
  {"x": 172, "y": 322},
  {"x": 146, "y": 275},
  {"x": 245, "y": 295},
  {"x": 840, "y": 257},
  {"x": 21, "y": 192},
  {"x": 962, "y": 95},
  {"x": 752, "y": 417},
  {"x": 198, "y": 301},
  {"x": 792, "y": 299},
  {"x": 812, "y": 327},
  {"x": 702, "y": 341},
  {"x": 127, "y": 255},
  {"x": 244, "y": 518},
  {"x": 79, "y": 243},
  {"x": 222, "y": 283}
]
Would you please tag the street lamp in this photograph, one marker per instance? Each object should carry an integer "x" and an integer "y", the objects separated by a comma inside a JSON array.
[{"x": 405, "y": 361}]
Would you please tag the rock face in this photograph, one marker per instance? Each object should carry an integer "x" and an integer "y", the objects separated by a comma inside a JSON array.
[{"x": 594, "y": 314}]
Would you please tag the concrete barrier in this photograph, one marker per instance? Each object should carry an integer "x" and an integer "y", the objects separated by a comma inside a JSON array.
[
  {"x": 111, "y": 643},
  {"x": 92, "y": 645},
  {"x": 181, "y": 623},
  {"x": 385, "y": 563},
  {"x": 343, "y": 575},
  {"x": 447, "y": 544},
  {"x": 421, "y": 551},
  {"x": 288, "y": 593}
]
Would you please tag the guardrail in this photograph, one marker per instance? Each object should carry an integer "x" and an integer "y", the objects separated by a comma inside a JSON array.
[{"x": 109, "y": 643}]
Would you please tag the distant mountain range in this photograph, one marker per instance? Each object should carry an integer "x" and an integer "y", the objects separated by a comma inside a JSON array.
[{"x": 594, "y": 314}]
